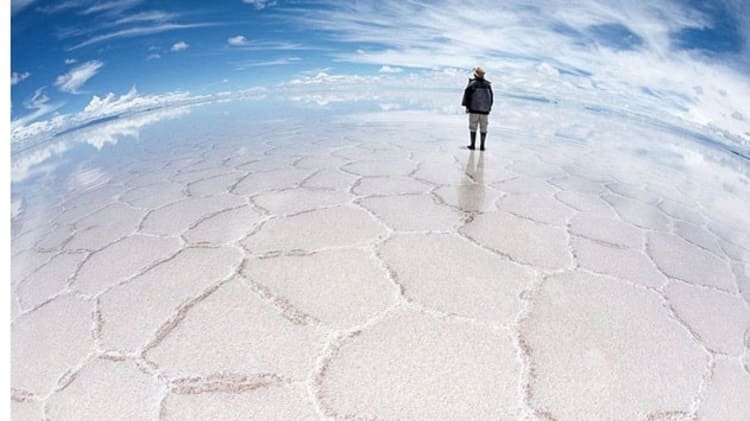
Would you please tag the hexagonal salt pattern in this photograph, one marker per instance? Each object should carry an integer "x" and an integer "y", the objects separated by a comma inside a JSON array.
[
  {"x": 413, "y": 366},
  {"x": 372, "y": 275},
  {"x": 597, "y": 345}
]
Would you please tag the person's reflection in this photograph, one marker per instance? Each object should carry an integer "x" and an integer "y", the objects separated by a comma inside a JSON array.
[{"x": 471, "y": 190}]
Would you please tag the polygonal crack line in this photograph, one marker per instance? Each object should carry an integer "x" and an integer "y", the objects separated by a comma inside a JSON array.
[
  {"x": 597, "y": 240},
  {"x": 138, "y": 272},
  {"x": 252, "y": 200},
  {"x": 210, "y": 215},
  {"x": 97, "y": 323},
  {"x": 574, "y": 263},
  {"x": 376, "y": 251},
  {"x": 353, "y": 186},
  {"x": 575, "y": 210},
  {"x": 708, "y": 373},
  {"x": 523, "y": 349},
  {"x": 281, "y": 304},
  {"x": 648, "y": 254},
  {"x": 388, "y": 230},
  {"x": 536, "y": 221},
  {"x": 70, "y": 375},
  {"x": 61, "y": 293},
  {"x": 723, "y": 257},
  {"x": 336, "y": 340},
  {"x": 307, "y": 178},
  {"x": 17, "y": 285},
  {"x": 38, "y": 268},
  {"x": 63, "y": 243},
  {"x": 257, "y": 226},
  {"x": 179, "y": 315},
  {"x": 498, "y": 253},
  {"x": 232, "y": 383},
  {"x": 710, "y": 227},
  {"x": 232, "y": 188},
  {"x": 189, "y": 186},
  {"x": 711, "y": 355},
  {"x": 652, "y": 205},
  {"x": 105, "y": 203},
  {"x": 413, "y": 173}
]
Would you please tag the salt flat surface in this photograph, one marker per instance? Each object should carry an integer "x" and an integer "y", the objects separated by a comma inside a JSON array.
[{"x": 370, "y": 268}]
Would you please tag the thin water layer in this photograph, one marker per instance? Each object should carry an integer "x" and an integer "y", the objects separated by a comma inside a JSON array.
[{"x": 366, "y": 265}]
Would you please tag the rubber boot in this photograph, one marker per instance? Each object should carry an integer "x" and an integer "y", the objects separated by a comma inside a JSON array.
[
  {"x": 481, "y": 141},
  {"x": 473, "y": 136}
]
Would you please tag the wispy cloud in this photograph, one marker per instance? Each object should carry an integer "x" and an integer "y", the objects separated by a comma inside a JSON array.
[
  {"x": 606, "y": 49},
  {"x": 70, "y": 61},
  {"x": 153, "y": 56},
  {"x": 26, "y": 132},
  {"x": 237, "y": 41},
  {"x": 136, "y": 32},
  {"x": 72, "y": 81},
  {"x": 110, "y": 6},
  {"x": 16, "y": 77},
  {"x": 260, "y": 4},
  {"x": 38, "y": 100},
  {"x": 273, "y": 62},
  {"x": 40, "y": 105},
  {"x": 149, "y": 16},
  {"x": 62, "y": 6},
  {"x": 18, "y": 5},
  {"x": 390, "y": 69},
  {"x": 179, "y": 46}
]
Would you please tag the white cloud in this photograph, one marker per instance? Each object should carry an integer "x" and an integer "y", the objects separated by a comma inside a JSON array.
[
  {"x": 61, "y": 6},
  {"x": 37, "y": 101},
  {"x": 260, "y": 4},
  {"x": 72, "y": 81},
  {"x": 149, "y": 16},
  {"x": 137, "y": 32},
  {"x": 237, "y": 41},
  {"x": 179, "y": 46},
  {"x": 390, "y": 69},
  {"x": 131, "y": 101},
  {"x": 40, "y": 141},
  {"x": 16, "y": 77},
  {"x": 550, "y": 46},
  {"x": 27, "y": 130},
  {"x": 70, "y": 61},
  {"x": 390, "y": 107},
  {"x": 274, "y": 62},
  {"x": 110, "y": 6},
  {"x": 153, "y": 56},
  {"x": 85, "y": 178}
]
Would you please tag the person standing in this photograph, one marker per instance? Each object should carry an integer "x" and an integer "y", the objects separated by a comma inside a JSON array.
[{"x": 478, "y": 99}]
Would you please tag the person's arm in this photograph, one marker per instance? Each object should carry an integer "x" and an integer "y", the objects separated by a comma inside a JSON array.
[
  {"x": 492, "y": 97},
  {"x": 467, "y": 97}
]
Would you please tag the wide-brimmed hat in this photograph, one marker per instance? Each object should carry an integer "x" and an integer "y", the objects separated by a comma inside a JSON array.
[{"x": 478, "y": 72}]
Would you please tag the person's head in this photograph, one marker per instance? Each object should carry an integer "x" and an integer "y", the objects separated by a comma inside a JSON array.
[{"x": 479, "y": 72}]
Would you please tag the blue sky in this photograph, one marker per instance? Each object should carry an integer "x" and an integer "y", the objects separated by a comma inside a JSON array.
[
  {"x": 153, "y": 45},
  {"x": 65, "y": 52}
]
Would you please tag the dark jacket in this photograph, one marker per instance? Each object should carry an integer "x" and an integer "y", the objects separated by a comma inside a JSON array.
[{"x": 478, "y": 96}]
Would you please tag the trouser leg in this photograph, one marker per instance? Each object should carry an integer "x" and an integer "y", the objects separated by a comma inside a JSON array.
[{"x": 483, "y": 128}]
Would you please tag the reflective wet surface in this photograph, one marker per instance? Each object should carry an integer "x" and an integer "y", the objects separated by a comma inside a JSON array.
[{"x": 219, "y": 260}]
